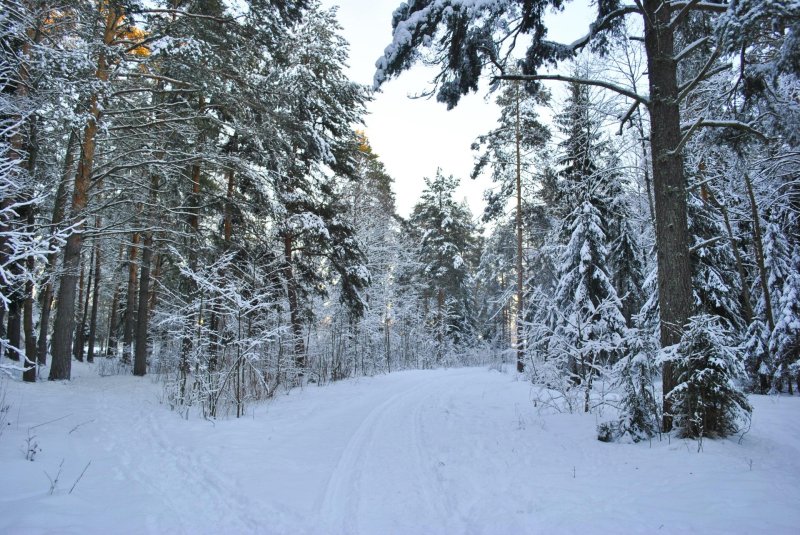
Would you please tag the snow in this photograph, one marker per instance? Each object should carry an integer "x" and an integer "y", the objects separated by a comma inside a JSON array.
[{"x": 441, "y": 451}]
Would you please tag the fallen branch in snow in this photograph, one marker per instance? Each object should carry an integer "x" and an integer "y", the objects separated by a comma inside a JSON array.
[
  {"x": 50, "y": 422},
  {"x": 79, "y": 477},
  {"x": 54, "y": 481},
  {"x": 77, "y": 426}
]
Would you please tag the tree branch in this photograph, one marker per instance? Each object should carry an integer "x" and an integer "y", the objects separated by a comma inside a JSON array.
[
  {"x": 691, "y": 48},
  {"x": 703, "y": 123},
  {"x": 682, "y": 13},
  {"x": 700, "y": 6},
  {"x": 685, "y": 139},
  {"x": 689, "y": 86},
  {"x": 736, "y": 125},
  {"x": 186, "y": 14},
  {"x": 627, "y": 116},
  {"x": 601, "y": 24},
  {"x": 583, "y": 81}
]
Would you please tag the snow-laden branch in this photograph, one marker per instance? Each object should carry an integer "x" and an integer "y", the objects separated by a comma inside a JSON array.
[
  {"x": 691, "y": 128},
  {"x": 699, "y": 6},
  {"x": 602, "y": 23},
  {"x": 583, "y": 81},
  {"x": 628, "y": 116},
  {"x": 691, "y": 47},
  {"x": 736, "y": 125}
]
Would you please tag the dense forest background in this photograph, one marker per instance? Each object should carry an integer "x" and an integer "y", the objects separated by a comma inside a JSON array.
[{"x": 186, "y": 192}]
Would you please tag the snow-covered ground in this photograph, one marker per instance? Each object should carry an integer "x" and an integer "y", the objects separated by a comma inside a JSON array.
[{"x": 443, "y": 451}]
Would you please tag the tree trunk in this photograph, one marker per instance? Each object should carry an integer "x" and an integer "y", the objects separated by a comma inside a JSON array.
[
  {"x": 142, "y": 324},
  {"x": 130, "y": 305},
  {"x": 29, "y": 375},
  {"x": 80, "y": 329},
  {"x": 60, "y": 367},
  {"x": 142, "y": 317},
  {"x": 294, "y": 311},
  {"x": 113, "y": 320},
  {"x": 59, "y": 206},
  {"x": 520, "y": 312},
  {"x": 65, "y": 319},
  {"x": 672, "y": 235},
  {"x": 95, "y": 296},
  {"x": 13, "y": 334},
  {"x": 759, "y": 249}
]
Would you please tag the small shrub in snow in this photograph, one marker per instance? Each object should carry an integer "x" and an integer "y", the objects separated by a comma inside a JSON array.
[{"x": 707, "y": 402}]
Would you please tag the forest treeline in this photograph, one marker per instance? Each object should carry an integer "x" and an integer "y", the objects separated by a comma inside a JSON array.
[{"x": 185, "y": 192}]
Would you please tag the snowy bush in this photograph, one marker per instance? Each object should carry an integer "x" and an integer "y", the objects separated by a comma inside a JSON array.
[{"x": 707, "y": 402}]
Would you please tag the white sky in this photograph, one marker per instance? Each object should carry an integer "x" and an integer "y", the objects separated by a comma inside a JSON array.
[{"x": 413, "y": 137}]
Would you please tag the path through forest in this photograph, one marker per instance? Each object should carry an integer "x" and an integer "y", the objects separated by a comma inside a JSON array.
[{"x": 441, "y": 451}]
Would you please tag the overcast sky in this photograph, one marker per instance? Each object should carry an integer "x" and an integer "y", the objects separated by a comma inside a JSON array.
[{"x": 413, "y": 137}]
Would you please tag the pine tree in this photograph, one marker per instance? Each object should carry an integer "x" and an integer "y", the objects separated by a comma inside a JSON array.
[{"x": 519, "y": 132}]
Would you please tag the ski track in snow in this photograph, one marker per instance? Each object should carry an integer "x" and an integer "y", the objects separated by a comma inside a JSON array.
[
  {"x": 377, "y": 447},
  {"x": 434, "y": 452}
]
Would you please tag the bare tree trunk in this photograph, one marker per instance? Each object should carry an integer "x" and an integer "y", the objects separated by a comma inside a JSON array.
[
  {"x": 29, "y": 375},
  {"x": 140, "y": 359},
  {"x": 672, "y": 235},
  {"x": 154, "y": 278},
  {"x": 13, "y": 329}
]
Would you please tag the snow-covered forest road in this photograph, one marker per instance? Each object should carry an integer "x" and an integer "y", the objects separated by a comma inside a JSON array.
[{"x": 442, "y": 451}]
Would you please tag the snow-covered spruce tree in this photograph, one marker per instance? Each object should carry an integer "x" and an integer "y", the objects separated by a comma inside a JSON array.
[
  {"x": 638, "y": 417},
  {"x": 707, "y": 401},
  {"x": 627, "y": 264},
  {"x": 448, "y": 246},
  {"x": 322, "y": 105},
  {"x": 591, "y": 327},
  {"x": 580, "y": 152},
  {"x": 784, "y": 344},
  {"x": 715, "y": 281}
]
